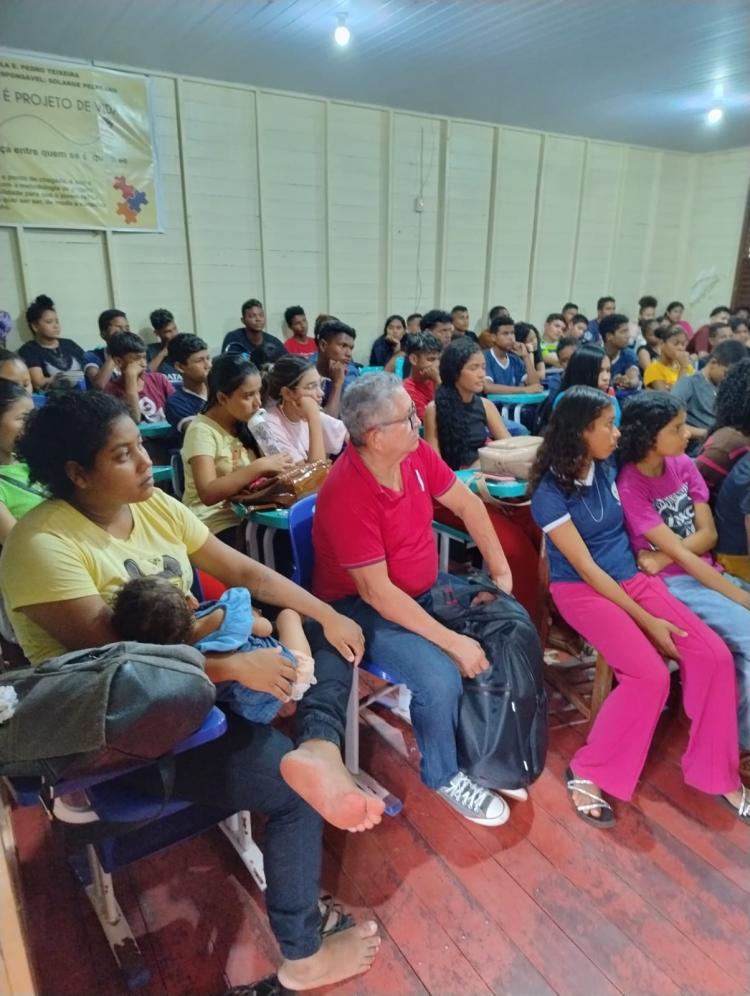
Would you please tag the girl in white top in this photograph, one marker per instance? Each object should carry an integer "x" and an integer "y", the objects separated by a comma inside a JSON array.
[
  {"x": 295, "y": 424},
  {"x": 219, "y": 454}
]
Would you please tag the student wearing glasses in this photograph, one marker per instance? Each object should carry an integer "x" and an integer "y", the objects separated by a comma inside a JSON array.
[
  {"x": 376, "y": 562},
  {"x": 294, "y": 423}
]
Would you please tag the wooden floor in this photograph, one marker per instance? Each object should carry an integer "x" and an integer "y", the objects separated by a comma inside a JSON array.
[{"x": 545, "y": 904}]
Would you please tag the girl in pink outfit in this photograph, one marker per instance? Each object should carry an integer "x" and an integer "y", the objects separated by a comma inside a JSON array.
[{"x": 631, "y": 619}]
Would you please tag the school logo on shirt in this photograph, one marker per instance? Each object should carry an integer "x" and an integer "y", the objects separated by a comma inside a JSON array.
[{"x": 677, "y": 511}]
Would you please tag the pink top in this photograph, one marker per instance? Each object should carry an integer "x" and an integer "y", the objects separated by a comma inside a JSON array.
[
  {"x": 293, "y": 438},
  {"x": 669, "y": 499}
]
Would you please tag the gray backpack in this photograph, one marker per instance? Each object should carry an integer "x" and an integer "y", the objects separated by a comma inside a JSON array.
[{"x": 104, "y": 709}]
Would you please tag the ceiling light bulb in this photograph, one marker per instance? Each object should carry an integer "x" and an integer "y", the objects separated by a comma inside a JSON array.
[
  {"x": 342, "y": 34},
  {"x": 715, "y": 115}
]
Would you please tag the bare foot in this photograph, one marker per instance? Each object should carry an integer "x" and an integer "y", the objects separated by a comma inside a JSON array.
[
  {"x": 316, "y": 773},
  {"x": 341, "y": 956}
]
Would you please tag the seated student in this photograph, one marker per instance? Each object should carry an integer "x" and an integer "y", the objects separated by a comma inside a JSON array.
[
  {"x": 251, "y": 339},
  {"x": 335, "y": 342},
  {"x": 604, "y": 306},
  {"x": 674, "y": 313},
  {"x": 189, "y": 356},
  {"x": 456, "y": 424},
  {"x": 673, "y": 362},
  {"x": 13, "y": 368},
  {"x": 729, "y": 437},
  {"x": 740, "y": 330},
  {"x": 733, "y": 521},
  {"x": 299, "y": 342},
  {"x": 49, "y": 358},
  {"x": 697, "y": 395},
  {"x": 157, "y": 353},
  {"x": 423, "y": 357},
  {"x": 528, "y": 334},
  {"x": 381, "y": 572},
  {"x": 565, "y": 349},
  {"x": 17, "y": 496},
  {"x": 485, "y": 339},
  {"x": 219, "y": 455},
  {"x": 718, "y": 332},
  {"x": 625, "y": 374},
  {"x": 553, "y": 331},
  {"x": 647, "y": 306},
  {"x": 577, "y": 326},
  {"x": 460, "y": 322},
  {"x": 509, "y": 364},
  {"x": 106, "y": 515},
  {"x": 388, "y": 344},
  {"x": 294, "y": 424},
  {"x": 440, "y": 324},
  {"x": 741, "y": 311},
  {"x": 413, "y": 322},
  {"x": 698, "y": 344},
  {"x": 99, "y": 365},
  {"x": 630, "y": 618},
  {"x": 671, "y": 528},
  {"x": 569, "y": 311},
  {"x": 589, "y": 366},
  {"x": 152, "y": 609},
  {"x": 648, "y": 350},
  {"x": 143, "y": 391}
]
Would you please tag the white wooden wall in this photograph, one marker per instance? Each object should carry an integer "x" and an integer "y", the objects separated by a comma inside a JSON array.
[{"x": 299, "y": 200}]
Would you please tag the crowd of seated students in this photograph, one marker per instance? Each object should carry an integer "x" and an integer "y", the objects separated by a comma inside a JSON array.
[{"x": 659, "y": 566}]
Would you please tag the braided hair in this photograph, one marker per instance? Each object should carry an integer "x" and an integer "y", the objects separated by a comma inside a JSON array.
[{"x": 450, "y": 409}]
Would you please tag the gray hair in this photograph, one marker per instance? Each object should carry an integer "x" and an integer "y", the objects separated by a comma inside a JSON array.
[{"x": 369, "y": 401}]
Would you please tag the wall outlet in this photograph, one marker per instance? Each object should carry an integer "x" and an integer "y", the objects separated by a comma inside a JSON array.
[{"x": 419, "y": 204}]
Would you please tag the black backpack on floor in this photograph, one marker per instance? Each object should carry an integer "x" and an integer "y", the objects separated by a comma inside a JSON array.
[{"x": 502, "y": 725}]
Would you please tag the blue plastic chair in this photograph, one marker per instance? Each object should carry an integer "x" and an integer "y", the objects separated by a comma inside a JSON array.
[
  {"x": 108, "y": 797},
  {"x": 303, "y": 556}
]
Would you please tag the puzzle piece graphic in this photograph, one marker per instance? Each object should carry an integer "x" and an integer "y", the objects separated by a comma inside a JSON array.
[
  {"x": 136, "y": 202},
  {"x": 128, "y": 215},
  {"x": 125, "y": 188}
]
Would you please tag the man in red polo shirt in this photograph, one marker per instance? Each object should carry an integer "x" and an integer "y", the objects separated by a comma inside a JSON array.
[{"x": 376, "y": 560}]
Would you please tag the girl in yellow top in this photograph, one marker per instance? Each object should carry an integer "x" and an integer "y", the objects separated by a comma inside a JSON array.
[
  {"x": 219, "y": 454},
  {"x": 673, "y": 361}
]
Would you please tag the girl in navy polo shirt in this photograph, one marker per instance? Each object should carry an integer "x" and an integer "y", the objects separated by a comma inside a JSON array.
[{"x": 630, "y": 618}]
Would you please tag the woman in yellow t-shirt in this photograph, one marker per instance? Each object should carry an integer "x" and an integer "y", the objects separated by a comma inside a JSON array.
[
  {"x": 61, "y": 566},
  {"x": 219, "y": 454},
  {"x": 674, "y": 361}
]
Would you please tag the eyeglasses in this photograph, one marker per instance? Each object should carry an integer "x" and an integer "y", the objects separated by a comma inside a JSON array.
[{"x": 411, "y": 417}]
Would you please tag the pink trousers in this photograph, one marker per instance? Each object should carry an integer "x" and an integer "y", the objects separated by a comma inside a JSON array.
[{"x": 618, "y": 742}]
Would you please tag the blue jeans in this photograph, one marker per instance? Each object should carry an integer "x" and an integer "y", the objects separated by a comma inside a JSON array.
[
  {"x": 732, "y": 622},
  {"x": 515, "y": 428},
  {"x": 430, "y": 675}
]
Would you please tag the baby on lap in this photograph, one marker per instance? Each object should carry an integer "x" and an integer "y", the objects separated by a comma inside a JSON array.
[{"x": 153, "y": 610}]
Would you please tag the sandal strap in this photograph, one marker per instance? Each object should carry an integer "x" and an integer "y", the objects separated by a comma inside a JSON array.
[
  {"x": 586, "y": 807},
  {"x": 599, "y": 802},
  {"x": 744, "y": 807}
]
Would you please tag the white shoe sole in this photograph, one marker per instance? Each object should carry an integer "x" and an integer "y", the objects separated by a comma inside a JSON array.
[
  {"x": 482, "y": 821},
  {"x": 520, "y": 795}
]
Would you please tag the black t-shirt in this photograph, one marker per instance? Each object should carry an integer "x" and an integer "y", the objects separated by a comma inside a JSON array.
[
  {"x": 268, "y": 351},
  {"x": 66, "y": 358}
]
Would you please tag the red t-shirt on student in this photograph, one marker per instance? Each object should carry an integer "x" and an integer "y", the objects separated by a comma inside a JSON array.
[
  {"x": 359, "y": 522},
  {"x": 306, "y": 348},
  {"x": 152, "y": 397},
  {"x": 421, "y": 392}
]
